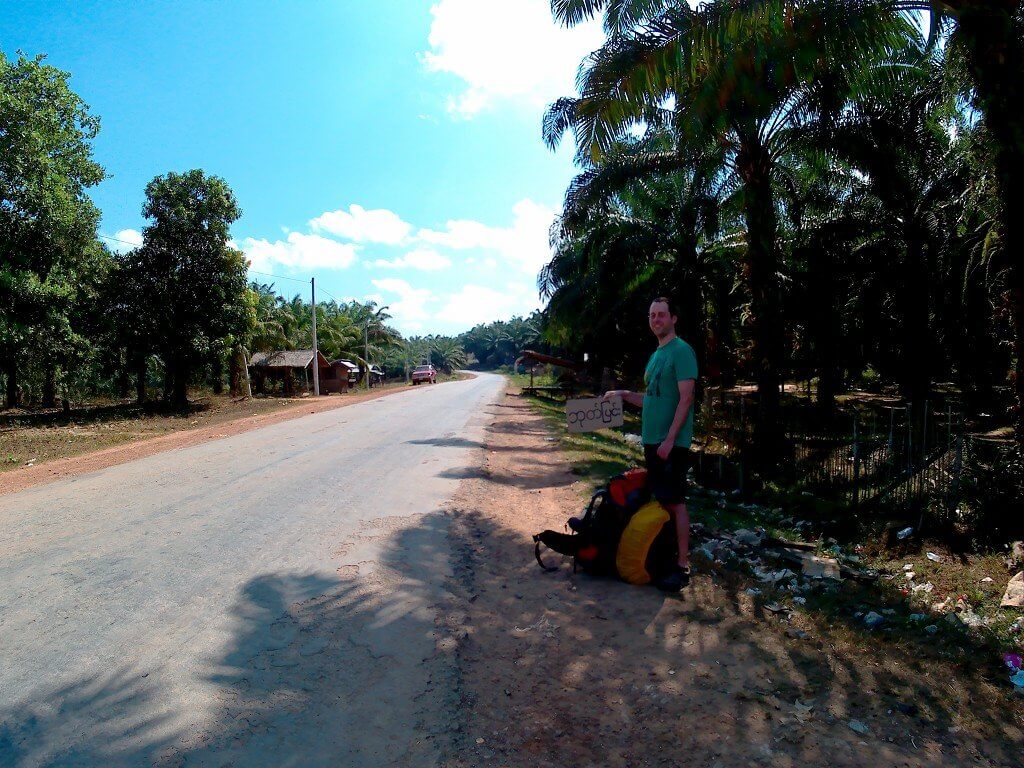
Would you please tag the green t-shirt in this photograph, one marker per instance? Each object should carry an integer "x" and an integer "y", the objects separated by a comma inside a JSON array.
[{"x": 670, "y": 364}]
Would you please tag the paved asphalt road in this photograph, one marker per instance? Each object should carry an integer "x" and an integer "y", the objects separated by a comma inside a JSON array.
[{"x": 271, "y": 598}]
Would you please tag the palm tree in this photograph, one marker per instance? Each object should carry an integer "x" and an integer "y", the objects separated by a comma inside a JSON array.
[
  {"x": 989, "y": 35},
  {"x": 447, "y": 354},
  {"x": 748, "y": 75},
  {"x": 268, "y": 328},
  {"x": 905, "y": 157},
  {"x": 680, "y": 186}
]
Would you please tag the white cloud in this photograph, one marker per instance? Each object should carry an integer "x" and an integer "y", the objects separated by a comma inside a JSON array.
[
  {"x": 299, "y": 252},
  {"x": 363, "y": 226},
  {"x": 481, "y": 42},
  {"x": 423, "y": 258},
  {"x": 523, "y": 246},
  {"x": 476, "y": 304},
  {"x": 124, "y": 240},
  {"x": 409, "y": 309}
]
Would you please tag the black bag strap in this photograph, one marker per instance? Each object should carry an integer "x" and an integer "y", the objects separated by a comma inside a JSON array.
[
  {"x": 602, "y": 496},
  {"x": 536, "y": 554}
]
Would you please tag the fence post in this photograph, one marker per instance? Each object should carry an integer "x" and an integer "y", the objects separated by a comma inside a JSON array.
[
  {"x": 856, "y": 465},
  {"x": 958, "y": 464}
]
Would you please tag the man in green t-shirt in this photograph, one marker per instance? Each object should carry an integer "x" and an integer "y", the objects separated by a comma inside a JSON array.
[{"x": 667, "y": 427}]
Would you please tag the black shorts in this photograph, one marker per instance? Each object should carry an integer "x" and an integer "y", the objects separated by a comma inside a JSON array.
[{"x": 667, "y": 479}]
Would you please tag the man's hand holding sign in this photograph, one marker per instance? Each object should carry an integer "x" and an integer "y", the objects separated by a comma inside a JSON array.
[{"x": 592, "y": 414}]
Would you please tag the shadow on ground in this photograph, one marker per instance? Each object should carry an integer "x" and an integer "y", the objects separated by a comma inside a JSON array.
[
  {"x": 353, "y": 671},
  {"x": 509, "y": 665}
]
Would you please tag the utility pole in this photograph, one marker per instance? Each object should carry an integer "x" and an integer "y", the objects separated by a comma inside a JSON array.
[
  {"x": 316, "y": 352},
  {"x": 366, "y": 351}
]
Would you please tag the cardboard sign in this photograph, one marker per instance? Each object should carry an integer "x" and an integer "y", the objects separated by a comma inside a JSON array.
[{"x": 593, "y": 414}]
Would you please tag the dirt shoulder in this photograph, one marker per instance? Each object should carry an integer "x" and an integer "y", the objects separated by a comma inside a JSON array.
[
  {"x": 141, "y": 437},
  {"x": 565, "y": 669}
]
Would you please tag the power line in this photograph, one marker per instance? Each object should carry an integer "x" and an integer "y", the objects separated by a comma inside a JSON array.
[
  {"x": 280, "y": 277},
  {"x": 332, "y": 296},
  {"x": 114, "y": 239},
  {"x": 253, "y": 271}
]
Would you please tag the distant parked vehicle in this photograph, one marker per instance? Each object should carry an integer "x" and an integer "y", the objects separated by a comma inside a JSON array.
[{"x": 423, "y": 374}]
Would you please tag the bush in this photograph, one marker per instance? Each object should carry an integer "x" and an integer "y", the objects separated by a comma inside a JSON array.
[{"x": 992, "y": 506}]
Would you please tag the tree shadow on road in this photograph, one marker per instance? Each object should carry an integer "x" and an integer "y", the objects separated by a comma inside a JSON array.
[
  {"x": 384, "y": 668},
  {"x": 351, "y": 669}
]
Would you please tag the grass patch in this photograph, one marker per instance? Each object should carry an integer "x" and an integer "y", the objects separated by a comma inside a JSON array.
[{"x": 596, "y": 456}]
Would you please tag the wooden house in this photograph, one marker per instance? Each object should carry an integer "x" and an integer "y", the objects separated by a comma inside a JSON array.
[
  {"x": 341, "y": 377},
  {"x": 294, "y": 368}
]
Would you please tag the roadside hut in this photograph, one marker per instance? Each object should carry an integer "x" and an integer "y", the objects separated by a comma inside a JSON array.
[
  {"x": 342, "y": 376},
  {"x": 294, "y": 366}
]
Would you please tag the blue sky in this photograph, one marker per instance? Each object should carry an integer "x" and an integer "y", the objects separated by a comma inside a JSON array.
[{"x": 392, "y": 149}]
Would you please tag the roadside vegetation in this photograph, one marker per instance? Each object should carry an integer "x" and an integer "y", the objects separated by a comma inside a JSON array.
[
  {"x": 826, "y": 190},
  {"x": 957, "y": 620},
  {"x": 90, "y": 334}
]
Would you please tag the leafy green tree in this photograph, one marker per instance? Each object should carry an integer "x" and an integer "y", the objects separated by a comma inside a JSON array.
[
  {"x": 188, "y": 285},
  {"x": 47, "y": 223}
]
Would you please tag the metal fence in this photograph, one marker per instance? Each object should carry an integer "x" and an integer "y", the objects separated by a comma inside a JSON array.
[{"x": 905, "y": 458}]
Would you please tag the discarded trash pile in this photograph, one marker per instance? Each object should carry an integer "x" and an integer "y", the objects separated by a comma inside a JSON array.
[
  {"x": 752, "y": 548},
  {"x": 801, "y": 568}
]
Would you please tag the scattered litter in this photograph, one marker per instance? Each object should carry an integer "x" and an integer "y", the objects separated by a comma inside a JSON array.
[
  {"x": 802, "y": 710},
  {"x": 933, "y": 557},
  {"x": 1015, "y": 560},
  {"x": 904, "y": 533},
  {"x": 917, "y": 617},
  {"x": 671, "y": 671},
  {"x": 987, "y": 580},
  {"x": 874, "y": 619},
  {"x": 542, "y": 624},
  {"x": 776, "y": 608},
  {"x": 910, "y": 575},
  {"x": 796, "y": 634},
  {"x": 820, "y": 567},
  {"x": 800, "y": 600},
  {"x": 772, "y": 577},
  {"x": 973, "y": 620},
  {"x": 953, "y": 620},
  {"x": 634, "y": 439},
  {"x": 750, "y": 538},
  {"x": 1018, "y": 679},
  {"x": 931, "y": 629},
  {"x": 858, "y": 727},
  {"x": 1013, "y": 661},
  {"x": 908, "y": 567},
  {"x": 926, "y": 587},
  {"x": 752, "y": 591},
  {"x": 1014, "y": 595}
]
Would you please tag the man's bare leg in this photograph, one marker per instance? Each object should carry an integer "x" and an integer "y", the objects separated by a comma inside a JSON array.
[{"x": 682, "y": 517}]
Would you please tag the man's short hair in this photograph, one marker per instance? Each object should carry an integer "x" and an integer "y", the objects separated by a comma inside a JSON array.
[{"x": 667, "y": 302}]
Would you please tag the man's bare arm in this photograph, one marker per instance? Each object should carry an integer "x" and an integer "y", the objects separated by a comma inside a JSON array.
[
  {"x": 686, "y": 387},
  {"x": 633, "y": 398}
]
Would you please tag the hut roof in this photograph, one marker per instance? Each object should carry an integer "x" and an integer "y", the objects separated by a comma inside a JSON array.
[
  {"x": 287, "y": 358},
  {"x": 347, "y": 363}
]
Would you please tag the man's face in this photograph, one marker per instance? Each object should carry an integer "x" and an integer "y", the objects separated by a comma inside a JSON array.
[{"x": 662, "y": 323}]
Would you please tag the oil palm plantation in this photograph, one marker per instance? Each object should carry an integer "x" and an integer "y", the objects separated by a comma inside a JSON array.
[{"x": 749, "y": 76}]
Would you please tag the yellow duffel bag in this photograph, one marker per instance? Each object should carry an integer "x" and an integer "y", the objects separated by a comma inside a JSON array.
[{"x": 636, "y": 541}]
